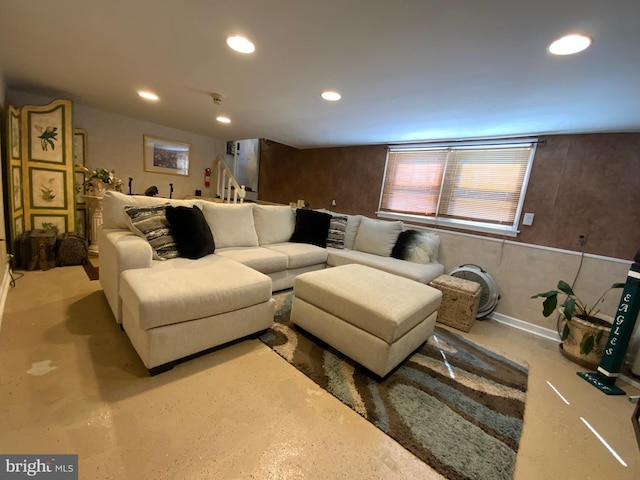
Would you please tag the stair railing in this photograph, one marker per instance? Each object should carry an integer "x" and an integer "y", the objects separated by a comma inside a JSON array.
[{"x": 227, "y": 188}]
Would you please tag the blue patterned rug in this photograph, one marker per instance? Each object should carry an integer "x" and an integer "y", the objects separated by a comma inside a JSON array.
[{"x": 455, "y": 405}]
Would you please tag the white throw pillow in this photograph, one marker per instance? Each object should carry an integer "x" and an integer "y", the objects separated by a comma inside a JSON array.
[
  {"x": 274, "y": 223},
  {"x": 232, "y": 225},
  {"x": 377, "y": 236}
]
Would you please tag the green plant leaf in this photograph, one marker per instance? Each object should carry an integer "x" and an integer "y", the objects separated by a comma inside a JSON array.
[
  {"x": 618, "y": 285},
  {"x": 548, "y": 294},
  {"x": 587, "y": 343},
  {"x": 599, "y": 336},
  {"x": 569, "y": 308},
  {"x": 565, "y": 332},
  {"x": 549, "y": 305},
  {"x": 564, "y": 287}
]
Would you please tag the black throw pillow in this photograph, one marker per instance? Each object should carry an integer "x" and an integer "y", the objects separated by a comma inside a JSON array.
[
  {"x": 191, "y": 231},
  {"x": 311, "y": 227}
]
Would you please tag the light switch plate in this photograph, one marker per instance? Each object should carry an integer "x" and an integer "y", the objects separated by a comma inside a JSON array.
[{"x": 528, "y": 219}]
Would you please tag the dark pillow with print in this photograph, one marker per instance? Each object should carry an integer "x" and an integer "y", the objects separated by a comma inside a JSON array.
[
  {"x": 311, "y": 227},
  {"x": 191, "y": 231}
]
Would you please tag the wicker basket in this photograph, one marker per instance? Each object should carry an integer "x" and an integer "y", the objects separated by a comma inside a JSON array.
[{"x": 460, "y": 300}]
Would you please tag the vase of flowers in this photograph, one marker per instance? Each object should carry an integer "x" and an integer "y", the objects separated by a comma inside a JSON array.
[{"x": 100, "y": 180}]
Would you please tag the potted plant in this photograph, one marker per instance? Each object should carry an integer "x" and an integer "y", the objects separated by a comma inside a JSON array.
[{"x": 583, "y": 330}]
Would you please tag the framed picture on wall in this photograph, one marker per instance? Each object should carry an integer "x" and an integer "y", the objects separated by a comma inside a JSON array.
[
  {"x": 48, "y": 188},
  {"x": 165, "y": 156}
]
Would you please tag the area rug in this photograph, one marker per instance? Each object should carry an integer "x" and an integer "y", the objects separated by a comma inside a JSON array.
[{"x": 454, "y": 404}]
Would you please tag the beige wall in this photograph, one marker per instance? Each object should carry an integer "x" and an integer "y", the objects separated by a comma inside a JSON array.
[
  {"x": 115, "y": 142},
  {"x": 522, "y": 270},
  {"x": 3, "y": 235}
]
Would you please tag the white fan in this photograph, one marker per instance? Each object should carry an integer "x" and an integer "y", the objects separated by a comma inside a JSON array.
[{"x": 489, "y": 296}]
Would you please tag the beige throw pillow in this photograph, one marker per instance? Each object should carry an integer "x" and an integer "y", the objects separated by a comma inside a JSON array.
[
  {"x": 377, "y": 236},
  {"x": 232, "y": 225}
]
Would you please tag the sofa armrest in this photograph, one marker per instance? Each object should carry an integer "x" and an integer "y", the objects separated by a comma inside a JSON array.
[{"x": 120, "y": 250}]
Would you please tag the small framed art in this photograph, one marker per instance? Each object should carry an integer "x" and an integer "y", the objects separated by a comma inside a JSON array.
[{"x": 165, "y": 156}]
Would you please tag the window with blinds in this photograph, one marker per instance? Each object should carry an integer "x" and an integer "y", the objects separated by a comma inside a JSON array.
[{"x": 474, "y": 187}]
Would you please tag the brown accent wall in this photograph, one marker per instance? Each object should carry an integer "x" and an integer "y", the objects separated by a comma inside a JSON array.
[
  {"x": 351, "y": 176},
  {"x": 580, "y": 184}
]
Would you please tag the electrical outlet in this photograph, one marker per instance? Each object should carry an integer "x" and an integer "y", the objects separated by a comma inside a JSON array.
[
  {"x": 528, "y": 219},
  {"x": 333, "y": 203},
  {"x": 582, "y": 239}
]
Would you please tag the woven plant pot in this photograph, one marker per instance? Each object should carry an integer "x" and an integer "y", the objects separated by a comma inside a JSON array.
[{"x": 570, "y": 346}]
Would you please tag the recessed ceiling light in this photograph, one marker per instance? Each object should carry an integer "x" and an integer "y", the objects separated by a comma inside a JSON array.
[
  {"x": 331, "y": 96},
  {"x": 148, "y": 95},
  {"x": 223, "y": 119},
  {"x": 240, "y": 44},
  {"x": 569, "y": 44}
]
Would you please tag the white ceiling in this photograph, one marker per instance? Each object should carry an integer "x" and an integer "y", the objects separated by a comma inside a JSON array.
[{"x": 408, "y": 70}]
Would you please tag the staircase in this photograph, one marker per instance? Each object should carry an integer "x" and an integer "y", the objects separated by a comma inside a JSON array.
[{"x": 227, "y": 188}]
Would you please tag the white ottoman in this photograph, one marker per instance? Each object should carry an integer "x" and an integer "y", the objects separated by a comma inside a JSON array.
[
  {"x": 375, "y": 318},
  {"x": 170, "y": 313}
]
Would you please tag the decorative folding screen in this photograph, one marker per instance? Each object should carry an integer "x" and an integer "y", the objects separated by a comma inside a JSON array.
[
  {"x": 13, "y": 172},
  {"x": 47, "y": 166}
]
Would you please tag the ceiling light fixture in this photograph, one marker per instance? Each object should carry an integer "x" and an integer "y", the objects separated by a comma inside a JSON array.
[
  {"x": 569, "y": 44},
  {"x": 331, "y": 96},
  {"x": 148, "y": 95},
  {"x": 222, "y": 119},
  {"x": 240, "y": 44}
]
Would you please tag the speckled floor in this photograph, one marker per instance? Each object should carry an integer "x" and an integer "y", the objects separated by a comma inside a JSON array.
[{"x": 70, "y": 382}]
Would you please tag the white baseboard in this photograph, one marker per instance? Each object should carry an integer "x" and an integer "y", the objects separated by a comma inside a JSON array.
[
  {"x": 4, "y": 291},
  {"x": 526, "y": 326},
  {"x": 545, "y": 333}
]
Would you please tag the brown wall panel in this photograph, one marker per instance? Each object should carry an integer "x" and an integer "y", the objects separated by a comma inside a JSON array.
[
  {"x": 580, "y": 184},
  {"x": 349, "y": 175}
]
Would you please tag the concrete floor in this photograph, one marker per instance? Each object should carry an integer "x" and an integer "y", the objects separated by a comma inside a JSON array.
[{"x": 70, "y": 382}]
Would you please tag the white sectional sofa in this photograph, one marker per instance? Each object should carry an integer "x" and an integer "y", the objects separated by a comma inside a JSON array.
[{"x": 163, "y": 304}]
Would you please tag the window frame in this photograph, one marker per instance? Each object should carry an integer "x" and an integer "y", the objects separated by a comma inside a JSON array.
[{"x": 510, "y": 230}]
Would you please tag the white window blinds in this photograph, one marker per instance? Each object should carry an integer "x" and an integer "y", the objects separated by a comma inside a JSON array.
[{"x": 482, "y": 184}]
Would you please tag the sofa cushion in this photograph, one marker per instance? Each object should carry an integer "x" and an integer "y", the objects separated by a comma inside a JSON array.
[
  {"x": 377, "y": 236},
  {"x": 311, "y": 227},
  {"x": 337, "y": 229},
  {"x": 423, "y": 273},
  {"x": 231, "y": 224},
  {"x": 261, "y": 259},
  {"x": 151, "y": 224},
  {"x": 300, "y": 254},
  {"x": 179, "y": 291},
  {"x": 191, "y": 231},
  {"x": 274, "y": 223},
  {"x": 416, "y": 246},
  {"x": 113, "y": 204}
]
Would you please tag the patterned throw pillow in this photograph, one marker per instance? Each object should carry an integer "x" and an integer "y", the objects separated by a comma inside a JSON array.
[
  {"x": 151, "y": 224},
  {"x": 415, "y": 246},
  {"x": 337, "y": 229}
]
